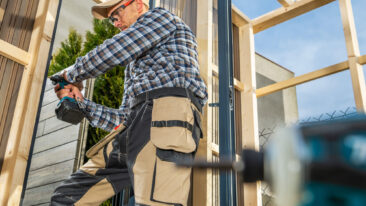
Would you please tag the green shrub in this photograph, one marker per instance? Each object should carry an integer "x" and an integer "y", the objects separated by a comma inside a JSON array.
[{"x": 108, "y": 88}]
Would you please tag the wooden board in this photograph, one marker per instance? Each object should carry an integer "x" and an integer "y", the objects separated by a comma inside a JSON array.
[
  {"x": 238, "y": 85},
  {"x": 362, "y": 59},
  {"x": 40, "y": 195},
  {"x": 13, "y": 170},
  {"x": 302, "y": 79},
  {"x": 238, "y": 17},
  {"x": 48, "y": 111},
  {"x": 1, "y": 14},
  {"x": 50, "y": 174},
  {"x": 285, "y": 3},
  {"x": 53, "y": 124},
  {"x": 53, "y": 156},
  {"x": 286, "y": 13},
  {"x": 349, "y": 28},
  {"x": 15, "y": 29},
  {"x": 202, "y": 183},
  {"x": 56, "y": 139},
  {"x": 249, "y": 113},
  {"x": 49, "y": 97},
  {"x": 353, "y": 51},
  {"x": 358, "y": 83},
  {"x": 14, "y": 53}
]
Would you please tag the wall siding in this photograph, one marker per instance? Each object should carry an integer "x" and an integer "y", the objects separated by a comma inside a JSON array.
[
  {"x": 15, "y": 28},
  {"x": 54, "y": 152}
]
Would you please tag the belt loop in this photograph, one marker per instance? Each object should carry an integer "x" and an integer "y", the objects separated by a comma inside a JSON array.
[
  {"x": 187, "y": 92},
  {"x": 147, "y": 96}
]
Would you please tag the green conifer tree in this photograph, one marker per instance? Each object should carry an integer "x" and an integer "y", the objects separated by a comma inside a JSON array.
[{"x": 108, "y": 88}]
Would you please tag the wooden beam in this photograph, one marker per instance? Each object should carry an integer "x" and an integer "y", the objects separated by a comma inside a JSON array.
[
  {"x": 302, "y": 79},
  {"x": 17, "y": 150},
  {"x": 356, "y": 70},
  {"x": 285, "y": 3},
  {"x": 202, "y": 179},
  {"x": 238, "y": 85},
  {"x": 358, "y": 82},
  {"x": 362, "y": 59},
  {"x": 14, "y": 53},
  {"x": 2, "y": 12},
  {"x": 238, "y": 17},
  {"x": 286, "y": 13},
  {"x": 249, "y": 113},
  {"x": 215, "y": 70},
  {"x": 215, "y": 149},
  {"x": 349, "y": 28}
]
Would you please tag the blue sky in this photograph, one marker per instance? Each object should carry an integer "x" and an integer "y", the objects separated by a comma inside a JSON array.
[{"x": 307, "y": 43}]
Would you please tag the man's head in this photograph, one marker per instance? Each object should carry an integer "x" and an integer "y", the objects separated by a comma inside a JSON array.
[{"x": 122, "y": 13}]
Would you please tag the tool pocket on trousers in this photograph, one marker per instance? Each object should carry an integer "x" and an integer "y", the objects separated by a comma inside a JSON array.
[
  {"x": 172, "y": 124},
  {"x": 174, "y": 134},
  {"x": 171, "y": 184}
]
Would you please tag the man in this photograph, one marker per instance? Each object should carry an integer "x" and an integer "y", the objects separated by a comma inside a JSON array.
[{"x": 161, "y": 108}]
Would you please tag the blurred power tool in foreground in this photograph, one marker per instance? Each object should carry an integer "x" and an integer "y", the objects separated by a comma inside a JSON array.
[
  {"x": 322, "y": 164},
  {"x": 68, "y": 109}
]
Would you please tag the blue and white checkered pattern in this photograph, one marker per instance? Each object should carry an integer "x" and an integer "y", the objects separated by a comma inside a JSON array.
[{"x": 158, "y": 50}]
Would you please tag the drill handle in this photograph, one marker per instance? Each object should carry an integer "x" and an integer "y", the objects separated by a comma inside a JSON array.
[{"x": 59, "y": 79}]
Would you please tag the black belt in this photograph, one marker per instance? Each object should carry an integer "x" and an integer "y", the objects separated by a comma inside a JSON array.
[{"x": 164, "y": 92}]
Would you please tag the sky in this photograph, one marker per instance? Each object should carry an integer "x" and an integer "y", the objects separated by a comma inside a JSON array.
[{"x": 307, "y": 43}]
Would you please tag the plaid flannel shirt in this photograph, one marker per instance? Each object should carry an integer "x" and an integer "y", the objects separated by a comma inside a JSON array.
[{"x": 158, "y": 50}]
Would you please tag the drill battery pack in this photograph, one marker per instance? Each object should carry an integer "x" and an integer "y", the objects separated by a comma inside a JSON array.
[{"x": 68, "y": 110}]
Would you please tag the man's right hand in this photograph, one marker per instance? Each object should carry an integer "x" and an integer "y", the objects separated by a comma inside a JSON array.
[{"x": 69, "y": 90}]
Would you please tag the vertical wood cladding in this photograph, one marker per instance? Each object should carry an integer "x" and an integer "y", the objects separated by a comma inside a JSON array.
[{"x": 15, "y": 28}]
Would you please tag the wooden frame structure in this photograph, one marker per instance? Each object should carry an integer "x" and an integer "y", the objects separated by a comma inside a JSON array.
[
  {"x": 22, "y": 125},
  {"x": 12, "y": 173},
  {"x": 203, "y": 180},
  {"x": 250, "y": 94}
]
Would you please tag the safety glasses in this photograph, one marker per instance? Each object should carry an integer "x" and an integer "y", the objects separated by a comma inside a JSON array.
[{"x": 115, "y": 12}]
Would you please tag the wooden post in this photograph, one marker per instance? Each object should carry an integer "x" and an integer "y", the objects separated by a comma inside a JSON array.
[
  {"x": 252, "y": 191},
  {"x": 17, "y": 150},
  {"x": 202, "y": 179},
  {"x": 357, "y": 75}
]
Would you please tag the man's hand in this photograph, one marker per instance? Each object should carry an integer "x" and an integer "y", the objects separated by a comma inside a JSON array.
[
  {"x": 79, "y": 85},
  {"x": 57, "y": 78},
  {"x": 69, "y": 90}
]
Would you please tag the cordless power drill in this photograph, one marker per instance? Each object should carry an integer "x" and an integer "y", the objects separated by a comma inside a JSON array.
[
  {"x": 68, "y": 109},
  {"x": 314, "y": 164}
]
